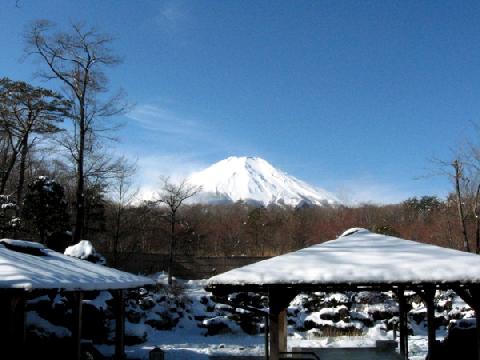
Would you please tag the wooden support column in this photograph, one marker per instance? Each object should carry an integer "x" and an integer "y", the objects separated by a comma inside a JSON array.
[
  {"x": 119, "y": 325},
  {"x": 278, "y": 304},
  {"x": 12, "y": 319},
  {"x": 428, "y": 296},
  {"x": 282, "y": 329},
  {"x": 278, "y": 339},
  {"x": 18, "y": 322},
  {"x": 472, "y": 297},
  {"x": 475, "y": 293},
  {"x": 403, "y": 323},
  {"x": 77, "y": 325},
  {"x": 477, "y": 318},
  {"x": 267, "y": 332}
]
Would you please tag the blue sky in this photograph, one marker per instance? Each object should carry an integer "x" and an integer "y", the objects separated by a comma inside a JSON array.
[{"x": 352, "y": 96}]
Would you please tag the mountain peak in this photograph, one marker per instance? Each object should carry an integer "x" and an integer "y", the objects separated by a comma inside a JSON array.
[{"x": 255, "y": 180}]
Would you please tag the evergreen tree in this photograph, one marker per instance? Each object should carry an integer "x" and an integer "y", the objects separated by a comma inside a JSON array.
[
  {"x": 9, "y": 222},
  {"x": 26, "y": 112},
  {"x": 45, "y": 208}
]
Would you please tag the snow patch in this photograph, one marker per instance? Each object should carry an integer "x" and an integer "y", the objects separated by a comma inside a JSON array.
[{"x": 83, "y": 250}]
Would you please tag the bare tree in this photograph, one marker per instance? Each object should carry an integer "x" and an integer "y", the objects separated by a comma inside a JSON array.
[
  {"x": 122, "y": 195},
  {"x": 458, "y": 174},
  {"x": 172, "y": 196},
  {"x": 77, "y": 58}
]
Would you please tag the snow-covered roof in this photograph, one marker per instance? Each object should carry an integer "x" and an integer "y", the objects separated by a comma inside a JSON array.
[
  {"x": 22, "y": 268},
  {"x": 360, "y": 257}
]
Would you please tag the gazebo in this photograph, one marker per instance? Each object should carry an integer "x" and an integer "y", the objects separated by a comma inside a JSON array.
[
  {"x": 28, "y": 267},
  {"x": 358, "y": 260}
]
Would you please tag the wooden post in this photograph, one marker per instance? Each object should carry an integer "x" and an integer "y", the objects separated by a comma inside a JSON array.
[
  {"x": 477, "y": 318},
  {"x": 12, "y": 321},
  {"x": 77, "y": 325},
  {"x": 282, "y": 330},
  {"x": 274, "y": 333},
  {"x": 119, "y": 325},
  {"x": 428, "y": 296},
  {"x": 278, "y": 303},
  {"x": 475, "y": 305},
  {"x": 18, "y": 322},
  {"x": 472, "y": 297},
  {"x": 403, "y": 324},
  {"x": 267, "y": 332}
]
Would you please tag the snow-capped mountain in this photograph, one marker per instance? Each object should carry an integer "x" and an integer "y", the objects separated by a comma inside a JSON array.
[{"x": 254, "y": 180}]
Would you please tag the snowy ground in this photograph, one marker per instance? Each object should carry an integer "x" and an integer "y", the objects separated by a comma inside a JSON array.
[{"x": 186, "y": 343}]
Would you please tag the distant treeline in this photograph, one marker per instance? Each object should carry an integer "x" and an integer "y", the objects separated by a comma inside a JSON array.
[{"x": 243, "y": 230}]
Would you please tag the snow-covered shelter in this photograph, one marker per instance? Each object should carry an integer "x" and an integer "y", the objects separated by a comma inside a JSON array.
[
  {"x": 358, "y": 260},
  {"x": 27, "y": 267}
]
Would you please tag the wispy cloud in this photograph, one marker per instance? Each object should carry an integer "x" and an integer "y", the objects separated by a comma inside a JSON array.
[
  {"x": 166, "y": 121},
  {"x": 366, "y": 190},
  {"x": 185, "y": 132},
  {"x": 152, "y": 168},
  {"x": 172, "y": 16}
]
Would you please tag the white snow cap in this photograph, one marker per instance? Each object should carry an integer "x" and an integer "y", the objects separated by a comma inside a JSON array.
[
  {"x": 82, "y": 250},
  {"x": 253, "y": 179},
  {"x": 359, "y": 257},
  {"x": 51, "y": 270}
]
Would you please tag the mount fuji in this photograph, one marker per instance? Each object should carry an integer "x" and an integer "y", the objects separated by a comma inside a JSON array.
[{"x": 255, "y": 181}]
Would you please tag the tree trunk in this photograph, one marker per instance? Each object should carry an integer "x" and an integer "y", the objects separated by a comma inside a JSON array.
[
  {"x": 6, "y": 174},
  {"x": 458, "y": 173},
  {"x": 21, "y": 172},
  {"x": 80, "y": 196},
  {"x": 477, "y": 220},
  {"x": 116, "y": 237},
  {"x": 477, "y": 235},
  {"x": 172, "y": 248}
]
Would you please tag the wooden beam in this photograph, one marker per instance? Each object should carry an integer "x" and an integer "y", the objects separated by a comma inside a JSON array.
[
  {"x": 119, "y": 325},
  {"x": 77, "y": 325},
  {"x": 225, "y": 289},
  {"x": 466, "y": 296}
]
